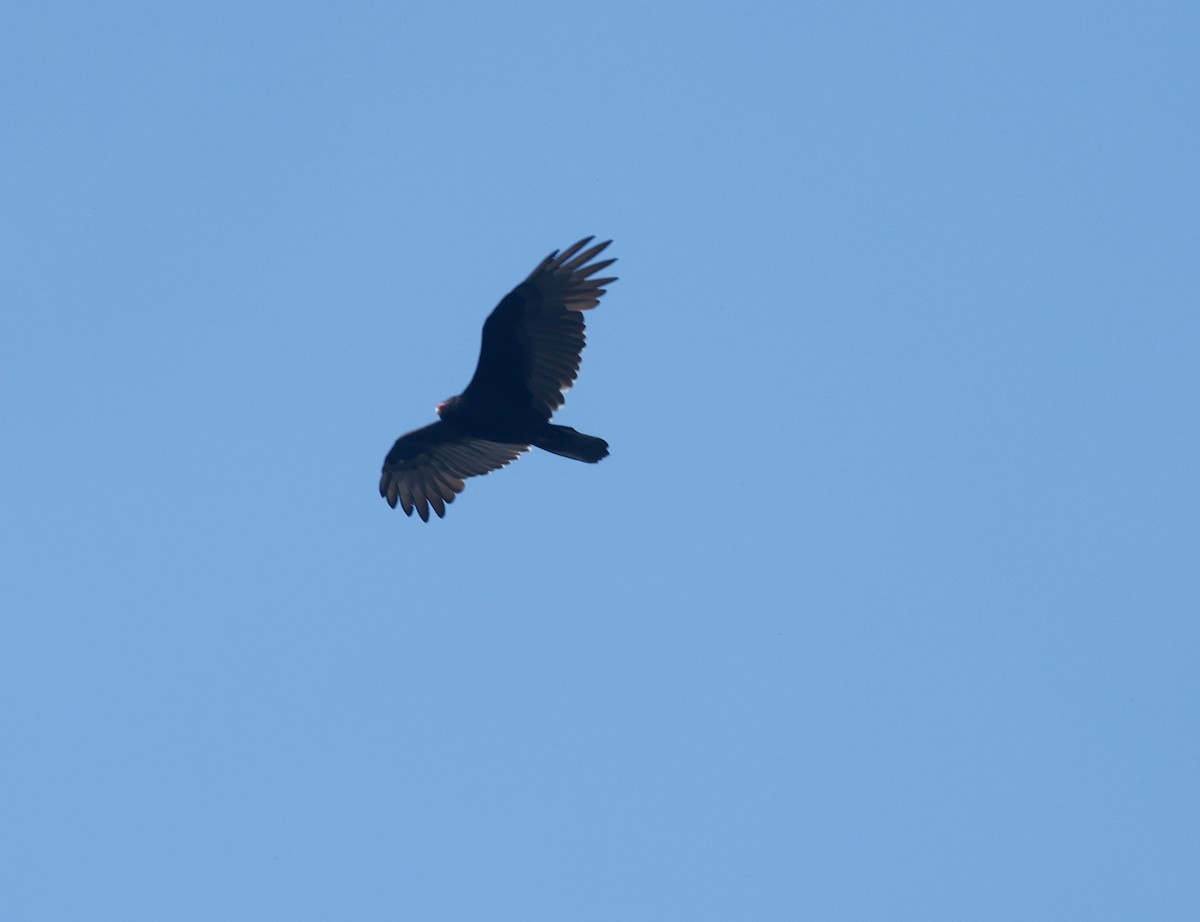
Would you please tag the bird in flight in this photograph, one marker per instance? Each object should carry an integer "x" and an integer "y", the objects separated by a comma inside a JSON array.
[{"x": 531, "y": 348}]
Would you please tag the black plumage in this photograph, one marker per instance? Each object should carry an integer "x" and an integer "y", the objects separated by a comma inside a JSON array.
[{"x": 531, "y": 350}]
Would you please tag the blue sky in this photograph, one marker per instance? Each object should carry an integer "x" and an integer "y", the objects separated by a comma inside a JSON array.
[{"x": 885, "y": 604}]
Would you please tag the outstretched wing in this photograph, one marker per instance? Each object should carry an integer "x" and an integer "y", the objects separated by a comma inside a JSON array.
[
  {"x": 533, "y": 339},
  {"x": 427, "y": 467}
]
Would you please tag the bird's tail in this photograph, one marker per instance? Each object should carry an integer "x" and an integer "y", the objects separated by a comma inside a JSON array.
[{"x": 565, "y": 441}]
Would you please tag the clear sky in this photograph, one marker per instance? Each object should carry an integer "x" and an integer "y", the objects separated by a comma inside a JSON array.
[{"x": 885, "y": 606}]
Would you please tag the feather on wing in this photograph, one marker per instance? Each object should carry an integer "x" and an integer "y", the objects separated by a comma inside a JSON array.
[
  {"x": 427, "y": 467},
  {"x": 533, "y": 340}
]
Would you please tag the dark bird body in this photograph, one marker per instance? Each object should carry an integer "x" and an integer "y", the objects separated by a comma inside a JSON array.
[{"x": 531, "y": 349}]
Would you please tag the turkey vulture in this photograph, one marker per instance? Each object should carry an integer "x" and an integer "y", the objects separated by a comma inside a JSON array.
[{"x": 531, "y": 347}]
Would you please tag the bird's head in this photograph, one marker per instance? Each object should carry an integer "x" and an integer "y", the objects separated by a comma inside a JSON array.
[{"x": 447, "y": 406}]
